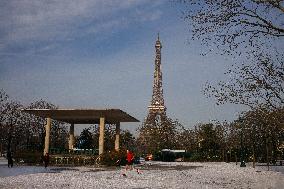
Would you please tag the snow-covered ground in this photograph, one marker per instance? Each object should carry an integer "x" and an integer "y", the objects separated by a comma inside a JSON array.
[{"x": 157, "y": 175}]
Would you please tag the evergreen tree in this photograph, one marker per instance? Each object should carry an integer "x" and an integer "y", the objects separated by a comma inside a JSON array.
[{"x": 85, "y": 140}]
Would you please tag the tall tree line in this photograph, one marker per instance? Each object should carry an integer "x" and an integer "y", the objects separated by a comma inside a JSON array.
[
  {"x": 259, "y": 132},
  {"x": 262, "y": 131}
]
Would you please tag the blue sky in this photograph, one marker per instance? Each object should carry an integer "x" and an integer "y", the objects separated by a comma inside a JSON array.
[{"x": 100, "y": 54}]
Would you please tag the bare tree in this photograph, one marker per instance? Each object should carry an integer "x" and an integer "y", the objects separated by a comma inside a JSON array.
[
  {"x": 12, "y": 127},
  {"x": 251, "y": 27},
  {"x": 235, "y": 24},
  {"x": 255, "y": 85},
  {"x": 3, "y": 100},
  {"x": 160, "y": 134},
  {"x": 37, "y": 127}
]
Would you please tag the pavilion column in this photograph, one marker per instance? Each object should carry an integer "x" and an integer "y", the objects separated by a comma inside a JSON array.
[
  {"x": 101, "y": 137},
  {"x": 47, "y": 135},
  {"x": 117, "y": 133},
  {"x": 71, "y": 137}
]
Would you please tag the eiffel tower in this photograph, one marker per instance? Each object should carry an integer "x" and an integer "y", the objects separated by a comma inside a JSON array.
[
  {"x": 157, "y": 109},
  {"x": 157, "y": 130}
]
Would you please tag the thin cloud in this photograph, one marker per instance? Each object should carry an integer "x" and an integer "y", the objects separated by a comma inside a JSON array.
[{"x": 25, "y": 20}]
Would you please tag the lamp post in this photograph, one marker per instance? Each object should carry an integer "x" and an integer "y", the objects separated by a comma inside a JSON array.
[{"x": 243, "y": 164}]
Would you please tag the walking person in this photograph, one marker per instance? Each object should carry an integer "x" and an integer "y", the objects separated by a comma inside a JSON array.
[
  {"x": 129, "y": 161},
  {"x": 10, "y": 159},
  {"x": 46, "y": 160}
]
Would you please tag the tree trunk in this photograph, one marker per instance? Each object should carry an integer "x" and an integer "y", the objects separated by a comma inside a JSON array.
[
  {"x": 253, "y": 158},
  {"x": 236, "y": 158},
  {"x": 267, "y": 155}
]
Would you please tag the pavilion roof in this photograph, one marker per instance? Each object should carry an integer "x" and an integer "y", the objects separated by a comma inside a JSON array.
[{"x": 83, "y": 116}]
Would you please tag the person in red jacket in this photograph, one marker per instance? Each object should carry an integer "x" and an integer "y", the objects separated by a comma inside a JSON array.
[
  {"x": 129, "y": 159},
  {"x": 129, "y": 162}
]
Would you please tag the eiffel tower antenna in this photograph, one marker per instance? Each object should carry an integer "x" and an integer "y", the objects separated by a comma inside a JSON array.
[{"x": 157, "y": 107}]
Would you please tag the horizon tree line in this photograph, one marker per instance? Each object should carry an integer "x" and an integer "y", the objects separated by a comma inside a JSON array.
[{"x": 263, "y": 133}]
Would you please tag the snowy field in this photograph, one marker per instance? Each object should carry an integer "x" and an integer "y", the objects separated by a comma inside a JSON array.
[{"x": 157, "y": 175}]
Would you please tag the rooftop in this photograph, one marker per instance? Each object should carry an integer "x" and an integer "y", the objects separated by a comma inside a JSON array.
[{"x": 83, "y": 116}]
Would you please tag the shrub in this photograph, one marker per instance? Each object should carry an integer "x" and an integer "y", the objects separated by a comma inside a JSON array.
[
  {"x": 28, "y": 157},
  {"x": 113, "y": 158}
]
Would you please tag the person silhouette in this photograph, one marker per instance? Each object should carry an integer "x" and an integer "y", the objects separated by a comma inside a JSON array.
[
  {"x": 46, "y": 160},
  {"x": 10, "y": 159}
]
